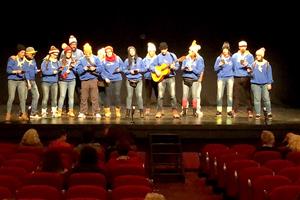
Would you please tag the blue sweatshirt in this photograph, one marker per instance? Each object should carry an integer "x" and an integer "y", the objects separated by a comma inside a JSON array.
[
  {"x": 48, "y": 67},
  {"x": 85, "y": 75},
  {"x": 109, "y": 69},
  {"x": 138, "y": 64},
  {"x": 147, "y": 63},
  {"x": 225, "y": 70},
  {"x": 238, "y": 68},
  {"x": 76, "y": 55},
  {"x": 30, "y": 69},
  {"x": 261, "y": 73},
  {"x": 197, "y": 65},
  {"x": 169, "y": 58},
  {"x": 64, "y": 76},
  {"x": 13, "y": 64}
]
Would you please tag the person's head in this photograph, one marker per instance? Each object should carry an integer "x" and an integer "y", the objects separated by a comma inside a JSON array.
[
  {"x": 260, "y": 54},
  {"x": 154, "y": 196},
  {"x": 163, "y": 47},
  {"x": 52, "y": 161},
  {"x": 226, "y": 49},
  {"x": 151, "y": 48},
  {"x": 267, "y": 138},
  {"x": 131, "y": 51},
  {"x": 31, "y": 138},
  {"x": 53, "y": 52},
  {"x": 21, "y": 50},
  {"x": 63, "y": 135},
  {"x": 88, "y": 155},
  {"x": 67, "y": 50},
  {"x": 109, "y": 50},
  {"x": 73, "y": 43},
  {"x": 242, "y": 46},
  {"x": 101, "y": 53},
  {"x": 194, "y": 48},
  {"x": 87, "y": 49},
  {"x": 30, "y": 53},
  {"x": 123, "y": 148},
  {"x": 293, "y": 141}
]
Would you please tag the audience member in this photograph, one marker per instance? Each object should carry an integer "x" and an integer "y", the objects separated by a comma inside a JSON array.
[
  {"x": 267, "y": 140},
  {"x": 31, "y": 138},
  {"x": 61, "y": 141},
  {"x": 154, "y": 196}
]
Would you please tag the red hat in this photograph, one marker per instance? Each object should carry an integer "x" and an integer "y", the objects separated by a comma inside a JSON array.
[{"x": 109, "y": 47}]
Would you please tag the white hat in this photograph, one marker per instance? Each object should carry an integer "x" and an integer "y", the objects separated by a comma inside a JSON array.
[
  {"x": 242, "y": 43},
  {"x": 195, "y": 47},
  {"x": 151, "y": 46},
  {"x": 72, "y": 39},
  {"x": 260, "y": 52}
]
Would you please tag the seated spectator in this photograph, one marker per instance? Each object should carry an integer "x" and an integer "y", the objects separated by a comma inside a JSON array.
[
  {"x": 88, "y": 161},
  {"x": 293, "y": 141},
  {"x": 88, "y": 139},
  {"x": 31, "y": 138},
  {"x": 61, "y": 141},
  {"x": 52, "y": 162},
  {"x": 267, "y": 140},
  {"x": 154, "y": 196}
]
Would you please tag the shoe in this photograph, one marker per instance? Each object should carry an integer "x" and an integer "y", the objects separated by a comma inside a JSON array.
[
  {"x": 127, "y": 114},
  {"x": 175, "y": 114},
  {"x": 250, "y": 114},
  {"x": 81, "y": 115},
  {"x": 199, "y": 113},
  {"x": 8, "y": 117},
  {"x": 270, "y": 116},
  {"x": 257, "y": 116},
  {"x": 147, "y": 113},
  {"x": 24, "y": 117},
  {"x": 218, "y": 114},
  {"x": 98, "y": 115},
  {"x": 35, "y": 116},
  {"x": 141, "y": 113},
  {"x": 71, "y": 113},
  {"x": 183, "y": 112},
  {"x": 158, "y": 114},
  {"x": 230, "y": 114}
]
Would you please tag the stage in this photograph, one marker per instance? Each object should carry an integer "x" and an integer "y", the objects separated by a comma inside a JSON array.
[{"x": 192, "y": 130}]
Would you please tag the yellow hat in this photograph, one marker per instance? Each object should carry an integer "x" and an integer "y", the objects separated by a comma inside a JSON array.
[
  {"x": 87, "y": 48},
  {"x": 30, "y": 50}
]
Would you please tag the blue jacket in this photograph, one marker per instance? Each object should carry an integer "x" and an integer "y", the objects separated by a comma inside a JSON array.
[
  {"x": 225, "y": 70},
  {"x": 109, "y": 69},
  {"x": 169, "y": 58},
  {"x": 63, "y": 75},
  {"x": 197, "y": 65},
  {"x": 30, "y": 69},
  {"x": 12, "y": 64},
  {"x": 238, "y": 68},
  {"x": 147, "y": 63},
  {"x": 48, "y": 68},
  {"x": 261, "y": 73},
  {"x": 137, "y": 65},
  {"x": 87, "y": 74}
]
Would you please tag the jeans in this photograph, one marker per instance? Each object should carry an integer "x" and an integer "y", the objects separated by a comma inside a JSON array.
[
  {"x": 138, "y": 93},
  {"x": 222, "y": 83},
  {"x": 47, "y": 87},
  {"x": 65, "y": 86},
  {"x": 170, "y": 83},
  {"x": 198, "y": 97},
  {"x": 261, "y": 91},
  {"x": 185, "y": 94},
  {"x": 35, "y": 95},
  {"x": 149, "y": 85},
  {"x": 12, "y": 86},
  {"x": 113, "y": 94}
]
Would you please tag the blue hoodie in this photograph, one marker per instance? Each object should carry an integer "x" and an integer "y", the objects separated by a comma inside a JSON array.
[
  {"x": 147, "y": 63},
  {"x": 225, "y": 70},
  {"x": 85, "y": 75},
  {"x": 261, "y": 73},
  {"x": 63, "y": 75},
  {"x": 197, "y": 65},
  {"x": 109, "y": 69},
  {"x": 12, "y": 65},
  {"x": 239, "y": 69},
  {"x": 48, "y": 67},
  {"x": 137, "y": 65},
  {"x": 169, "y": 58},
  {"x": 30, "y": 69}
]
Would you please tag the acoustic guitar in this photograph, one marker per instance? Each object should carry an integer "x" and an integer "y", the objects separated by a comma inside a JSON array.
[{"x": 164, "y": 70}]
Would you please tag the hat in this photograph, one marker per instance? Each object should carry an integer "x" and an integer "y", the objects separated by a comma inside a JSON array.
[
  {"x": 21, "y": 47},
  {"x": 226, "y": 45},
  {"x": 242, "y": 43},
  {"x": 151, "y": 47},
  {"x": 66, "y": 47},
  {"x": 260, "y": 52},
  {"x": 194, "y": 46},
  {"x": 109, "y": 47},
  {"x": 163, "y": 45},
  {"x": 53, "y": 49},
  {"x": 30, "y": 50},
  {"x": 101, "y": 51},
  {"x": 87, "y": 48},
  {"x": 72, "y": 39}
]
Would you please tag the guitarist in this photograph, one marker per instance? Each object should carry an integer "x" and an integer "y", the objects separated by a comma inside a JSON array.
[{"x": 170, "y": 60}]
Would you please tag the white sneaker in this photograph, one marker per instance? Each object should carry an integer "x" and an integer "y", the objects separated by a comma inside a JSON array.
[
  {"x": 199, "y": 113},
  {"x": 36, "y": 116},
  {"x": 98, "y": 115},
  {"x": 81, "y": 115}
]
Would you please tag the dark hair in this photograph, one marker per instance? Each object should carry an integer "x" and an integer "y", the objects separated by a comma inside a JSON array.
[
  {"x": 88, "y": 155},
  {"x": 131, "y": 59}
]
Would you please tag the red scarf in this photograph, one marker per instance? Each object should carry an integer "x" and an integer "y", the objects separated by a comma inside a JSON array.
[{"x": 113, "y": 58}]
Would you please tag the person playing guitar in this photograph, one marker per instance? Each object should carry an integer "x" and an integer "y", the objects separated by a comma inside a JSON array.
[{"x": 168, "y": 61}]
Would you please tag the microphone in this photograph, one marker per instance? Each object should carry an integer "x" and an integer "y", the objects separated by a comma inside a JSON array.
[{"x": 132, "y": 113}]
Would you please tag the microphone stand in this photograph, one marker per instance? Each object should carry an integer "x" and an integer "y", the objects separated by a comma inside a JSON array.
[
  {"x": 132, "y": 113},
  {"x": 265, "y": 115}
]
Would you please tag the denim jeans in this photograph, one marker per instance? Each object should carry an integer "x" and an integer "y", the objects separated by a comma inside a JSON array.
[
  {"x": 185, "y": 94},
  {"x": 170, "y": 83},
  {"x": 198, "y": 93},
  {"x": 113, "y": 94},
  {"x": 138, "y": 94},
  {"x": 261, "y": 92},
  {"x": 13, "y": 85},
  {"x": 222, "y": 83},
  {"x": 35, "y": 95},
  {"x": 65, "y": 86},
  {"x": 47, "y": 87}
]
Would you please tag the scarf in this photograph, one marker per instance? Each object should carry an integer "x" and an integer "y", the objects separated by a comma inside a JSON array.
[{"x": 113, "y": 58}]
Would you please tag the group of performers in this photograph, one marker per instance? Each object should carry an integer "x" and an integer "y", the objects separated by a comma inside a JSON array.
[{"x": 99, "y": 78}]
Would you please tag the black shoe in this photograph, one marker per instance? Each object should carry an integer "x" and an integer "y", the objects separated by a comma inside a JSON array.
[
  {"x": 127, "y": 115},
  {"x": 230, "y": 114},
  {"x": 183, "y": 112},
  {"x": 219, "y": 114}
]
